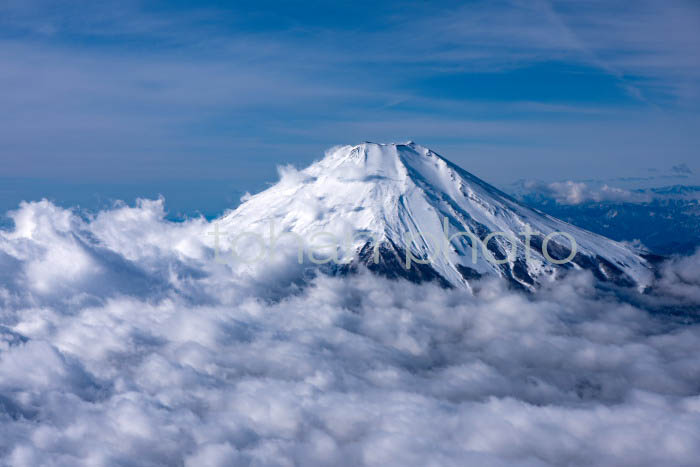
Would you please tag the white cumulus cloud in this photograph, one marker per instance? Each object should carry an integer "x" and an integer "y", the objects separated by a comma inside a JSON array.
[{"x": 123, "y": 342}]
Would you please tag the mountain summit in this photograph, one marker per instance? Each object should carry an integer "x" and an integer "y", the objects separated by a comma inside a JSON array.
[{"x": 402, "y": 210}]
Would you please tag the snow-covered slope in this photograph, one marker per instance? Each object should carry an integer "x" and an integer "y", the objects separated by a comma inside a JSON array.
[{"x": 401, "y": 199}]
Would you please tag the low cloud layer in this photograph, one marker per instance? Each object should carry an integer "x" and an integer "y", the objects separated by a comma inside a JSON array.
[
  {"x": 570, "y": 192},
  {"x": 122, "y": 342}
]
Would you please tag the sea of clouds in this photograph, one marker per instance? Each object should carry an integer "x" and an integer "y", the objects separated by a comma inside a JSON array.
[{"x": 123, "y": 342}]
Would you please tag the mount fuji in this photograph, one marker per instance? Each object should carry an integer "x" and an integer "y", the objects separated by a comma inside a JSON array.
[{"x": 403, "y": 211}]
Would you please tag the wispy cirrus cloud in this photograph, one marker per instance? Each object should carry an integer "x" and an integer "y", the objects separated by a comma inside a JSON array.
[{"x": 215, "y": 87}]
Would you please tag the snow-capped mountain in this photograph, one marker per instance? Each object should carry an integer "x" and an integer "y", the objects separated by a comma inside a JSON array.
[{"x": 404, "y": 211}]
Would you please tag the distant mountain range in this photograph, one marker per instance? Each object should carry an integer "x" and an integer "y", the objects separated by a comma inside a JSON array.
[{"x": 666, "y": 220}]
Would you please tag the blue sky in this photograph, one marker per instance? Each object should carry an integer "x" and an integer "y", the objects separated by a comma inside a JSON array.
[{"x": 216, "y": 94}]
